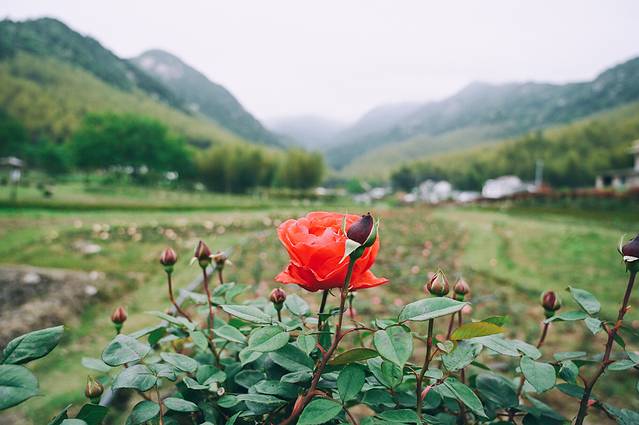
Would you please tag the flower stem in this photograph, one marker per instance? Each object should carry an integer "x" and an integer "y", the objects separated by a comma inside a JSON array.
[
  {"x": 211, "y": 318},
  {"x": 420, "y": 378},
  {"x": 605, "y": 361},
  {"x": 299, "y": 407},
  {"x": 157, "y": 392},
  {"x": 321, "y": 310},
  {"x": 219, "y": 275},
  {"x": 175, "y": 304}
]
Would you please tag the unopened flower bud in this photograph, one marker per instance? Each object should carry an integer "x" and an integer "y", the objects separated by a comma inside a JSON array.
[
  {"x": 461, "y": 289},
  {"x": 220, "y": 259},
  {"x": 202, "y": 254},
  {"x": 93, "y": 390},
  {"x": 438, "y": 284},
  {"x": 278, "y": 296},
  {"x": 168, "y": 259},
  {"x": 118, "y": 317},
  {"x": 550, "y": 302},
  {"x": 220, "y": 391},
  {"x": 630, "y": 252},
  {"x": 361, "y": 229}
]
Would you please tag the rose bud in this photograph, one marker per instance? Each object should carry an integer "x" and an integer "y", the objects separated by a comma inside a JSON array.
[
  {"x": 630, "y": 252},
  {"x": 168, "y": 259},
  {"x": 361, "y": 230},
  {"x": 278, "y": 296},
  {"x": 202, "y": 254},
  {"x": 461, "y": 289},
  {"x": 550, "y": 302},
  {"x": 220, "y": 259},
  {"x": 438, "y": 284},
  {"x": 93, "y": 390},
  {"x": 118, "y": 317}
]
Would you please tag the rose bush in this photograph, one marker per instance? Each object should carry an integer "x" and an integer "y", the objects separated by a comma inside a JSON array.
[{"x": 214, "y": 360}]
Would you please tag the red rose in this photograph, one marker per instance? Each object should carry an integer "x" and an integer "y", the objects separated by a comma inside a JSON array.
[{"x": 316, "y": 244}]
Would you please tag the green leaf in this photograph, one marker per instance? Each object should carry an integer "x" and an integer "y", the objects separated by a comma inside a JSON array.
[
  {"x": 268, "y": 338},
  {"x": 276, "y": 388},
  {"x": 180, "y": 405},
  {"x": 569, "y": 371},
  {"x": 73, "y": 422},
  {"x": 387, "y": 373},
  {"x": 498, "y": 344},
  {"x": 540, "y": 375},
  {"x": 496, "y": 320},
  {"x": 143, "y": 412},
  {"x": 475, "y": 329},
  {"x": 400, "y": 416},
  {"x": 306, "y": 343},
  {"x": 62, "y": 415},
  {"x": 248, "y": 313},
  {"x": 32, "y": 345},
  {"x": 230, "y": 333},
  {"x": 527, "y": 349},
  {"x": 292, "y": 358},
  {"x": 319, "y": 411},
  {"x": 138, "y": 376},
  {"x": 569, "y": 355},
  {"x": 247, "y": 356},
  {"x": 92, "y": 414},
  {"x": 228, "y": 401},
  {"x": 430, "y": 308},
  {"x": 572, "y": 390},
  {"x": 350, "y": 382},
  {"x": 95, "y": 364},
  {"x": 17, "y": 384},
  {"x": 124, "y": 349},
  {"x": 163, "y": 370},
  {"x": 193, "y": 384},
  {"x": 200, "y": 340},
  {"x": 497, "y": 390},
  {"x": 586, "y": 300},
  {"x": 394, "y": 344},
  {"x": 567, "y": 316},
  {"x": 180, "y": 361},
  {"x": 593, "y": 325},
  {"x": 621, "y": 365},
  {"x": 260, "y": 403},
  {"x": 297, "y": 377},
  {"x": 466, "y": 396},
  {"x": 296, "y": 305},
  {"x": 461, "y": 356},
  {"x": 355, "y": 355}
]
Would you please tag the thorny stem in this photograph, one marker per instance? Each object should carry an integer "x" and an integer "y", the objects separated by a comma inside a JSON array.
[
  {"x": 175, "y": 304},
  {"x": 299, "y": 406},
  {"x": 605, "y": 361},
  {"x": 450, "y": 326},
  {"x": 157, "y": 392},
  {"x": 462, "y": 374},
  {"x": 420, "y": 378},
  {"x": 211, "y": 318},
  {"x": 279, "y": 315},
  {"x": 219, "y": 275}
]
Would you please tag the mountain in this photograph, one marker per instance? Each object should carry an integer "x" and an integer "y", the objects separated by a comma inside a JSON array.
[
  {"x": 308, "y": 131},
  {"x": 51, "y": 76},
  {"x": 482, "y": 113},
  {"x": 203, "y": 96},
  {"x": 52, "y": 38}
]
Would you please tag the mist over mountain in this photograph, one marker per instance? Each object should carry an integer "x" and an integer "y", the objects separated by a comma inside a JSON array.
[
  {"x": 202, "y": 95},
  {"x": 487, "y": 112},
  {"x": 308, "y": 131}
]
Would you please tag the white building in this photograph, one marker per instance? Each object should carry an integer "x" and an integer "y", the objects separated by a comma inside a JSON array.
[
  {"x": 504, "y": 186},
  {"x": 621, "y": 179}
]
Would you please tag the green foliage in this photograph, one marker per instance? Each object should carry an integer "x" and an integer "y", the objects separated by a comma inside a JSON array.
[
  {"x": 573, "y": 155},
  {"x": 109, "y": 140}
]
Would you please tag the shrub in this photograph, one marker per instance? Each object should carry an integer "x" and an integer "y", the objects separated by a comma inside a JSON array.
[{"x": 220, "y": 361}]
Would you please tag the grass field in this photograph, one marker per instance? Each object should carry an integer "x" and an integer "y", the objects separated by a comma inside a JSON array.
[{"x": 508, "y": 257}]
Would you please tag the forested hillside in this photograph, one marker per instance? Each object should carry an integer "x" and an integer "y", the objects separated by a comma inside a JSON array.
[
  {"x": 201, "y": 95},
  {"x": 483, "y": 112},
  {"x": 573, "y": 154}
]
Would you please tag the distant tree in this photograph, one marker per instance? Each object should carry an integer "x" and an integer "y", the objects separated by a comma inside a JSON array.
[
  {"x": 300, "y": 169},
  {"x": 13, "y": 136},
  {"x": 404, "y": 178},
  {"x": 105, "y": 140}
]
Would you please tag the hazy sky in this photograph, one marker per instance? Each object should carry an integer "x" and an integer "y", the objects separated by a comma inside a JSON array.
[{"x": 340, "y": 58}]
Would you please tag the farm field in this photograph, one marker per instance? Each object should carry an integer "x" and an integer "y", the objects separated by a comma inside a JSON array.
[{"x": 508, "y": 256}]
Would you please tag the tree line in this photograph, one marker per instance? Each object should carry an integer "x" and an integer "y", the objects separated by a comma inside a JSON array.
[
  {"x": 573, "y": 156},
  {"x": 110, "y": 142}
]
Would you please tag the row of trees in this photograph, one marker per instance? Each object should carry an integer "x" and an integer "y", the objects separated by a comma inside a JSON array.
[
  {"x": 573, "y": 156},
  {"x": 108, "y": 141}
]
